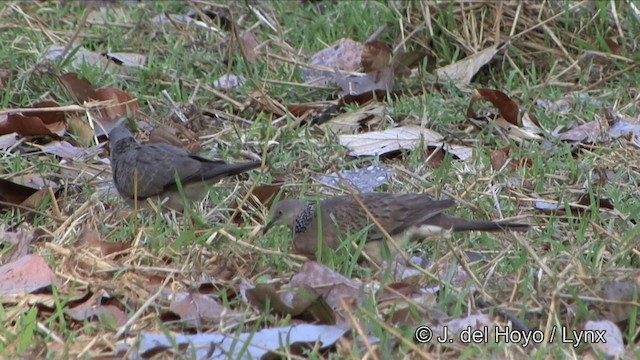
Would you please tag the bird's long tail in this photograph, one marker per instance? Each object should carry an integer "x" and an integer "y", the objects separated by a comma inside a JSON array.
[
  {"x": 460, "y": 224},
  {"x": 221, "y": 170}
]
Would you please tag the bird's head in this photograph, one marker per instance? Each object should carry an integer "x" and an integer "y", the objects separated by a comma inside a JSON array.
[
  {"x": 120, "y": 131},
  {"x": 285, "y": 213}
]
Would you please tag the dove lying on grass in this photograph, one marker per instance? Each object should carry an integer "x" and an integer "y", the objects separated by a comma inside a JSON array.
[{"x": 141, "y": 171}]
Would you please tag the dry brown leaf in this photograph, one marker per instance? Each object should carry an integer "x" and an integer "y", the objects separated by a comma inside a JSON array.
[
  {"x": 376, "y": 56},
  {"x": 403, "y": 62},
  {"x": 122, "y": 104},
  {"x": 500, "y": 157},
  {"x": 12, "y": 193},
  {"x": 32, "y": 125},
  {"x": 590, "y": 132},
  {"x": 91, "y": 238},
  {"x": 20, "y": 245},
  {"x": 78, "y": 126},
  {"x": 248, "y": 45},
  {"x": 25, "y": 275},
  {"x": 93, "y": 308},
  {"x": 344, "y": 55},
  {"x": 164, "y": 134},
  {"x": 261, "y": 195},
  {"x": 620, "y": 291},
  {"x": 196, "y": 310},
  {"x": 507, "y": 107},
  {"x": 331, "y": 285}
]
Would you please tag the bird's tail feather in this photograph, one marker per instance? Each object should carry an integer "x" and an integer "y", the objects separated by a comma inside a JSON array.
[
  {"x": 478, "y": 225},
  {"x": 229, "y": 169}
]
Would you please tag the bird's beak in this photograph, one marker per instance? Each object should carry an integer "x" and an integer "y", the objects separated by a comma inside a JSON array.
[{"x": 270, "y": 224}]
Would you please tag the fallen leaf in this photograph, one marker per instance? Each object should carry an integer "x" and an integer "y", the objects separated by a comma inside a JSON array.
[
  {"x": 500, "y": 157},
  {"x": 378, "y": 143},
  {"x": 91, "y": 238},
  {"x": 81, "y": 56},
  {"x": 302, "y": 302},
  {"x": 127, "y": 59},
  {"x": 626, "y": 128},
  {"x": 121, "y": 103},
  {"x": 13, "y": 194},
  {"x": 229, "y": 81},
  {"x": 403, "y": 62},
  {"x": 376, "y": 56},
  {"x": 348, "y": 122},
  {"x": 463, "y": 71},
  {"x": 27, "y": 125},
  {"x": 80, "y": 128},
  {"x": 164, "y": 135},
  {"x": 25, "y": 275},
  {"x": 261, "y": 195},
  {"x": 613, "y": 46},
  {"x": 196, "y": 310},
  {"x": 252, "y": 345},
  {"x": 111, "y": 61},
  {"x": 590, "y": 132},
  {"x": 8, "y": 140},
  {"x": 248, "y": 45},
  {"x": 19, "y": 241},
  {"x": 507, "y": 107},
  {"x": 93, "y": 308},
  {"x": 364, "y": 179},
  {"x": 611, "y": 343},
  {"x": 620, "y": 291},
  {"x": 344, "y": 55},
  {"x": 331, "y": 285},
  {"x": 370, "y": 82},
  {"x": 65, "y": 150}
]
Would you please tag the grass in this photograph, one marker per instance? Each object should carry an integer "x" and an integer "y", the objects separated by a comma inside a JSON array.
[{"x": 582, "y": 252}]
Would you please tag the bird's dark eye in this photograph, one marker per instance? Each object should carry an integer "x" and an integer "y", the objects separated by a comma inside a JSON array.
[{"x": 279, "y": 212}]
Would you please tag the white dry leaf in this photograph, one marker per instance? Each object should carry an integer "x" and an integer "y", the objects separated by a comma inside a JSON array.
[
  {"x": 517, "y": 133},
  {"x": 381, "y": 142},
  {"x": 460, "y": 151},
  {"x": 129, "y": 59},
  {"x": 81, "y": 56},
  {"x": 607, "y": 337},
  {"x": 462, "y": 71},
  {"x": 229, "y": 81},
  {"x": 378, "y": 143},
  {"x": 8, "y": 140},
  {"x": 246, "y": 345},
  {"x": 364, "y": 179}
]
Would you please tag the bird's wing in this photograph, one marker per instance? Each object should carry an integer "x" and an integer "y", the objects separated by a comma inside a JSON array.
[
  {"x": 395, "y": 212},
  {"x": 159, "y": 164}
]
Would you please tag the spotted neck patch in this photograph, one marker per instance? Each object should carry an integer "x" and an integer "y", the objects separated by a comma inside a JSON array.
[{"x": 304, "y": 219}]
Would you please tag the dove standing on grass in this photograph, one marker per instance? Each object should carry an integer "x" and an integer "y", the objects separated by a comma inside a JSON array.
[
  {"x": 401, "y": 215},
  {"x": 141, "y": 171}
]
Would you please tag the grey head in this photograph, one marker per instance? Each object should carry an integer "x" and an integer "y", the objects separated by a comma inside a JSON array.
[
  {"x": 286, "y": 213},
  {"x": 120, "y": 131}
]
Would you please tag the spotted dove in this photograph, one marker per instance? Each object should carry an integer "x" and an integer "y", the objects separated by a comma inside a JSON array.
[{"x": 399, "y": 214}]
